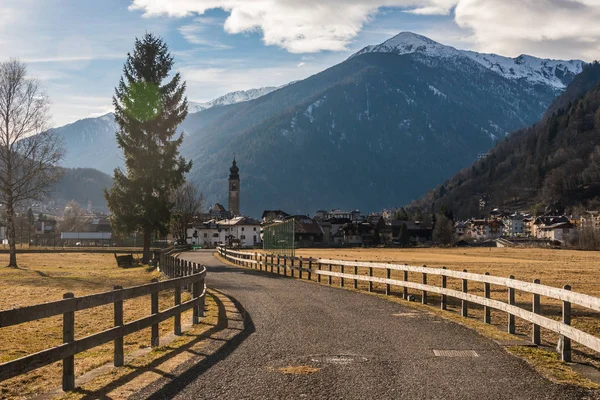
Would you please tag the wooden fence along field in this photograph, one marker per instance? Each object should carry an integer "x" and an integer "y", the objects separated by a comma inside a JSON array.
[
  {"x": 180, "y": 273},
  {"x": 323, "y": 268}
]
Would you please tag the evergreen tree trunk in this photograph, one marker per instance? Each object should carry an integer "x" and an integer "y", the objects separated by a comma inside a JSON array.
[
  {"x": 146, "y": 254},
  {"x": 11, "y": 233}
]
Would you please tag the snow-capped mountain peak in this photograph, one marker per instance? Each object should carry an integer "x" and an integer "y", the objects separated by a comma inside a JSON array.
[
  {"x": 232, "y": 98},
  {"x": 554, "y": 73}
]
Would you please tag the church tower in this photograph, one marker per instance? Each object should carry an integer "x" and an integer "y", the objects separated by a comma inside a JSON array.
[{"x": 234, "y": 190}]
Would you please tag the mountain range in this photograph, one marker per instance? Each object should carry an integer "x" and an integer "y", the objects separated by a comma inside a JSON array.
[
  {"x": 377, "y": 130},
  {"x": 552, "y": 165}
]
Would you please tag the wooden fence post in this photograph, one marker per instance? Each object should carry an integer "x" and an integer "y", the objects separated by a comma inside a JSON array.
[
  {"x": 388, "y": 273},
  {"x": 196, "y": 292},
  {"x": 565, "y": 353},
  {"x": 119, "y": 358},
  {"x": 177, "y": 323},
  {"x": 487, "y": 318},
  {"x": 464, "y": 309},
  {"x": 68, "y": 378},
  {"x": 278, "y": 268},
  {"x": 202, "y": 305},
  {"x": 292, "y": 266},
  {"x": 272, "y": 256},
  {"x": 424, "y": 293},
  {"x": 443, "y": 297},
  {"x": 284, "y": 265},
  {"x": 310, "y": 269},
  {"x": 511, "y": 301},
  {"x": 329, "y": 276},
  {"x": 342, "y": 278},
  {"x": 154, "y": 340},
  {"x": 370, "y": 276},
  {"x": 300, "y": 267},
  {"x": 355, "y": 273},
  {"x": 535, "y": 308},
  {"x": 405, "y": 289},
  {"x": 319, "y": 275}
]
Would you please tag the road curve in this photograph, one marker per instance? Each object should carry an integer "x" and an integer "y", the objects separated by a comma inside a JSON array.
[{"x": 364, "y": 346}]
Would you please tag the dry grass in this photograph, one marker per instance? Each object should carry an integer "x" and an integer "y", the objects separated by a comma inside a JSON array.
[{"x": 46, "y": 277}]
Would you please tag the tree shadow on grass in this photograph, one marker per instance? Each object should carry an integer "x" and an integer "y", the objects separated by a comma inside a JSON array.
[{"x": 176, "y": 380}]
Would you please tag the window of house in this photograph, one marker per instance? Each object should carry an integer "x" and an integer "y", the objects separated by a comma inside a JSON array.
[
  {"x": 242, "y": 237},
  {"x": 215, "y": 235},
  {"x": 242, "y": 229},
  {"x": 254, "y": 229},
  {"x": 205, "y": 234}
]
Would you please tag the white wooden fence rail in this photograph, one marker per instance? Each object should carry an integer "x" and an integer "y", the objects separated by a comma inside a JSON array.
[{"x": 565, "y": 295}]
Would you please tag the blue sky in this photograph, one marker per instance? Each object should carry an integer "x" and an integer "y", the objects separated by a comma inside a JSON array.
[{"x": 77, "y": 47}]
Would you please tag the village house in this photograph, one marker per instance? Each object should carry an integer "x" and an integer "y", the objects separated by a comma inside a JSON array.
[
  {"x": 419, "y": 232},
  {"x": 96, "y": 232},
  {"x": 358, "y": 233},
  {"x": 324, "y": 215},
  {"x": 545, "y": 221},
  {"x": 331, "y": 228},
  {"x": 483, "y": 229},
  {"x": 307, "y": 232},
  {"x": 514, "y": 225},
  {"x": 560, "y": 231},
  {"x": 460, "y": 228},
  {"x": 238, "y": 231},
  {"x": 270, "y": 216}
]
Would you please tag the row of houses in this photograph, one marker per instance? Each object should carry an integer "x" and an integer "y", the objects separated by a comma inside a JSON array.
[
  {"x": 518, "y": 225},
  {"x": 325, "y": 229}
]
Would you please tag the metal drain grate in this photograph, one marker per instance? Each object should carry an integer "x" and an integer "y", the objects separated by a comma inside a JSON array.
[{"x": 455, "y": 353}]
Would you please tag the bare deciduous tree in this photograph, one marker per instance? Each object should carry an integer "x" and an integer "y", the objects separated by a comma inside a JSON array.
[
  {"x": 74, "y": 218},
  {"x": 188, "y": 201},
  {"x": 29, "y": 151}
]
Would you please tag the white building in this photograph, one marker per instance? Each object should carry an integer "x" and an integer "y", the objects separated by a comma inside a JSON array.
[
  {"x": 242, "y": 231},
  {"x": 514, "y": 226}
]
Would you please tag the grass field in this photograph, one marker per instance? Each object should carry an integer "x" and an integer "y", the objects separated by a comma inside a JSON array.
[
  {"x": 580, "y": 269},
  {"x": 46, "y": 277}
]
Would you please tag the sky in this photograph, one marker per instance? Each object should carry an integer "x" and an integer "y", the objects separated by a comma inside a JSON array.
[{"x": 77, "y": 48}]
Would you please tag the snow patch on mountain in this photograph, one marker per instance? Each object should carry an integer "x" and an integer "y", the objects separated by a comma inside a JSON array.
[
  {"x": 437, "y": 92},
  {"x": 534, "y": 70},
  {"x": 232, "y": 98},
  {"x": 309, "y": 110}
]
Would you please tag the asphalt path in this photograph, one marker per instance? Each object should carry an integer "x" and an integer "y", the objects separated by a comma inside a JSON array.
[{"x": 361, "y": 347}]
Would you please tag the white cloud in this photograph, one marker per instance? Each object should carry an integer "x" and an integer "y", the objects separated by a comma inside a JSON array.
[
  {"x": 302, "y": 64},
  {"x": 195, "y": 33},
  {"x": 548, "y": 28},
  {"x": 305, "y": 26}
]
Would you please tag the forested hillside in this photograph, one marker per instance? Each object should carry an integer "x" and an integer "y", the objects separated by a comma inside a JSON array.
[
  {"x": 555, "y": 163},
  {"x": 81, "y": 185}
]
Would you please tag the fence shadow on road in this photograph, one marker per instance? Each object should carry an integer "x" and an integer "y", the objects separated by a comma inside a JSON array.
[
  {"x": 173, "y": 381},
  {"x": 187, "y": 377}
]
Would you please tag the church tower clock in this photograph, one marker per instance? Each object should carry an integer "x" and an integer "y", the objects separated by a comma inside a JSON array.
[{"x": 234, "y": 190}]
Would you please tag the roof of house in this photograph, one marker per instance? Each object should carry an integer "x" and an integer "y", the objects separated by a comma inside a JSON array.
[
  {"x": 218, "y": 208},
  {"x": 238, "y": 221},
  {"x": 306, "y": 225},
  {"x": 274, "y": 213},
  {"x": 558, "y": 225}
]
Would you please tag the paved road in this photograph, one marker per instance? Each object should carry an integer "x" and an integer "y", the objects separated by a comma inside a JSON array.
[{"x": 365, "y": 347}]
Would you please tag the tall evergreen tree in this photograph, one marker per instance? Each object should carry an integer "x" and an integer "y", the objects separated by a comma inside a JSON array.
[{"x": 148, "y": 112}]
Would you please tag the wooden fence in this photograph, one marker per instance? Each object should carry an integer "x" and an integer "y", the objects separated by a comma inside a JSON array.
[
  {"x": 308, "y": 267},
  {"x": 180, "y": 274}
]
